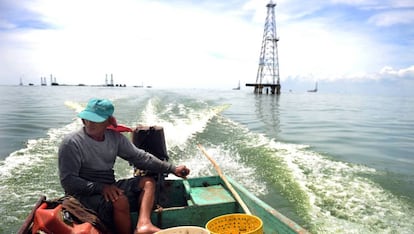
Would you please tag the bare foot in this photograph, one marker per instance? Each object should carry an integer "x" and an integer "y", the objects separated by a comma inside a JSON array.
[{"x": 147, "y": 229}]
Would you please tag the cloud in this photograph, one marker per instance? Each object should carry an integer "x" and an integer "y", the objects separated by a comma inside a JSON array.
[
  {"x": 137, "y": 41},
  {"x": 203, "y": 44},
  {"x": 405, "y": 73},
  {"x": 393, "y": 17}
]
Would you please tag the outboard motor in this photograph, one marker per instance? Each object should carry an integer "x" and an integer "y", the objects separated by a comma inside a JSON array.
[{"x": 152, "y": 140}]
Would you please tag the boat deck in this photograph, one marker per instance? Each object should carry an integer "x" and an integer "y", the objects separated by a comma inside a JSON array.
[
  {"x": 192, "y": 202},
  {"x": 196, "y": 201}
]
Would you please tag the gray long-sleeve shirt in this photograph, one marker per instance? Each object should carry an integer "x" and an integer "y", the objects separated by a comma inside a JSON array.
[{"x": 85, "y": 165}]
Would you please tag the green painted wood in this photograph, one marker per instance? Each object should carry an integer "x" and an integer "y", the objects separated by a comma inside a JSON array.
[
  {"x": 274, "y": 222},
  {"x": 196, "y": 201},
  {"x": 215, "y": 194}
]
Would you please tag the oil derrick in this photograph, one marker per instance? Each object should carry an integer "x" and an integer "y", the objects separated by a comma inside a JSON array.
[{"x": 268, "y": 72}]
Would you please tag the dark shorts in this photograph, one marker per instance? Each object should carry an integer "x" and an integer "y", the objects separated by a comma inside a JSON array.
[{"x": 104, "y": 209}]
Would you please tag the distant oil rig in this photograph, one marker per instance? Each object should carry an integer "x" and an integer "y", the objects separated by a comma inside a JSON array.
[
  {"x": 111, "y": 82},
  {"x": 53, "y": 81},
  {"x": 268, "y": 72}
]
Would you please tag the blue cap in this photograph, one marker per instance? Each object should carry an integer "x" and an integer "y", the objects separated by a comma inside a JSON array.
[{"x": 97, "y": 110}]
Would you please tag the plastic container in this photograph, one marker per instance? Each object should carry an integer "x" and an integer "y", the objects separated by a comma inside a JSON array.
[
  {"x": 50, "y": 221},
  {"x": 184, "y": 230},
  {"x": 235, "y": 223}
]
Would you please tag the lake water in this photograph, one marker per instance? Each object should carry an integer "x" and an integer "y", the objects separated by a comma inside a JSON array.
[{"x": 334, "y": 163}]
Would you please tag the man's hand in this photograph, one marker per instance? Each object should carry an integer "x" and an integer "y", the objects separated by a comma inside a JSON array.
[
  {"x": 182, "y": 171},
  {"x": 111, "y": 192}
]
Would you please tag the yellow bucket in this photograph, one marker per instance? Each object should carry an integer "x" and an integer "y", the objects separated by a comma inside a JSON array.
[
  {"x": 184, "y": 230},
  {"x": 235, "y": 223}
]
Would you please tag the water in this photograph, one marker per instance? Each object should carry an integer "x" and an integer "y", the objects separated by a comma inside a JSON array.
[{"x": 334, "y": 163}]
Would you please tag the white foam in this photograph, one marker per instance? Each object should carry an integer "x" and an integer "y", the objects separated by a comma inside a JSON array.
[
  {"x": 342, "y": 201},
  {"x": 180, "y": 127},
  {"x": 35, "y": 151},
  {"x": 149, "y": 116},
  {"x": 230, "y": 165},
  {"x": 77, "y": 107}
]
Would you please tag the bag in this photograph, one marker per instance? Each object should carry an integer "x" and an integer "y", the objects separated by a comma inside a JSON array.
[{"x": 81, "y": 213}]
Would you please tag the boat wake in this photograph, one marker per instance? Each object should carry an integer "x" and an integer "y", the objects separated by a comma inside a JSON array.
[
  {"x": 342, "y": 198},
  {"x": 329, "y": 196}
]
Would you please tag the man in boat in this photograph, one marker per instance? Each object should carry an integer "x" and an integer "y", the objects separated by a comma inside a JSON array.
[{"x": 86, "y": 161}]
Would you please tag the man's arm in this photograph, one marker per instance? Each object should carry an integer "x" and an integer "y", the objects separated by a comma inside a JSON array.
[
  {"x": 147, "y": 161},
  {"x": 142, "y": 159}
]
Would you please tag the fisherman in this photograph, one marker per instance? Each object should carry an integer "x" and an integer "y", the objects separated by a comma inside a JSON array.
[{"x": 86, "y": 170}]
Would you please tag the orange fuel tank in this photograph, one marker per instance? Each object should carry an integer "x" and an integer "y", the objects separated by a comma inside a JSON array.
[{"x": 51, "y": 221}]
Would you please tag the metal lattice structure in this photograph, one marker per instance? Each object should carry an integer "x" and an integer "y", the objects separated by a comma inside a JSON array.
[{"x": 268, "y": 71}]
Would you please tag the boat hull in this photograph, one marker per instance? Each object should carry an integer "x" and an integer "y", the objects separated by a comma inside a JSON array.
[{"x": 196, "y": 201}]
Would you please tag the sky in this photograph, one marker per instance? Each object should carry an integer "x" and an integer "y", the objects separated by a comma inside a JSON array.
[{"x": 206, "y": 44}]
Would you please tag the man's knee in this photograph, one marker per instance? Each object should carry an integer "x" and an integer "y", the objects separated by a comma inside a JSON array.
[
  {"x": 147, "y": 183},
  {"x": 121, "y": 204}
]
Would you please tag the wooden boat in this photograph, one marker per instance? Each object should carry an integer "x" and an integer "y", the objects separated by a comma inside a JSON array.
[
  {"x": 315, "y": 89},
  {"x": 195, "y": 201},
  {"x": 238, "y": 86},
  {"x": 189, "y": 202}
]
